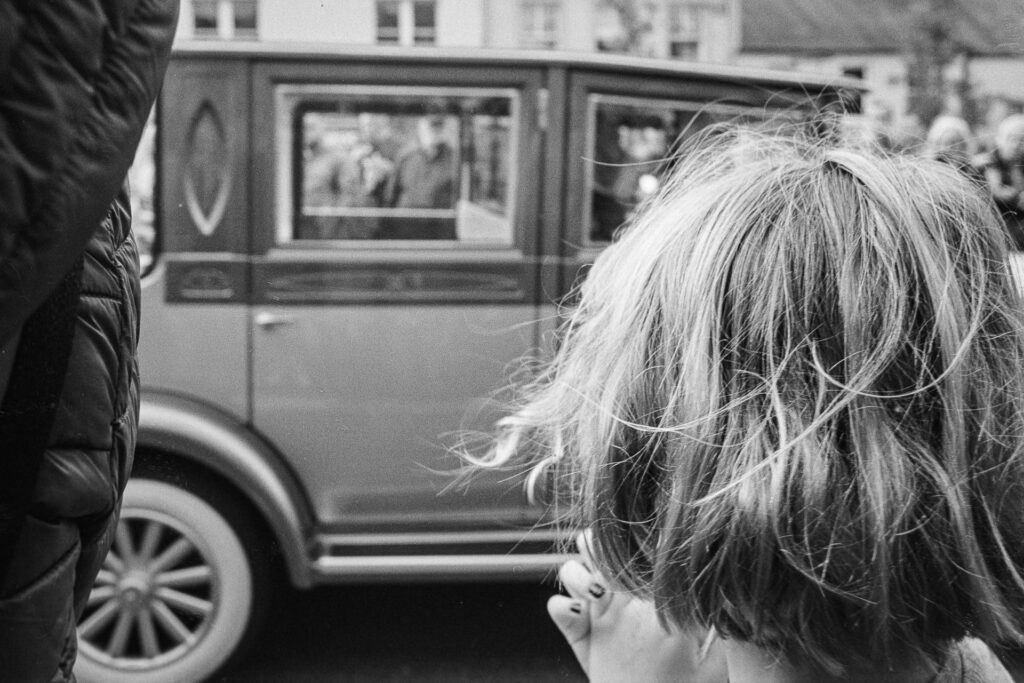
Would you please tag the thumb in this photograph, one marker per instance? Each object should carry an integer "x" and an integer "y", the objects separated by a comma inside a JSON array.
[{"x": 573, "y": 620}]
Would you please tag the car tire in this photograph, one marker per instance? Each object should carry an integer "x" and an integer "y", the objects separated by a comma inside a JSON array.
[{"x": 175, "y": 597}]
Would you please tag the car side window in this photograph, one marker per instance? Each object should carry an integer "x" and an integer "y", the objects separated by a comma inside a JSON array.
[
  {"x": 631, "y": 143},
  {"x": 384, "y": 164}
]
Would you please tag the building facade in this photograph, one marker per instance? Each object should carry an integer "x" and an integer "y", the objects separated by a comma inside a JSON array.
[
  {"x": 871, "y": 40},
  {"x": 866, "y": 39},
  {"x": 704, "y": 30}
]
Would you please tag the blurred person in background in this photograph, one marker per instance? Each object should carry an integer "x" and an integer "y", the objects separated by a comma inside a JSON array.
[
  {"x": 1003, "y": 170},
  {"x": 344, "y": 167},
  {"x": 950, "y": 141},
  {"x": 77, "y": 81},
  {"x": 996, "y": 110},
  {"x": 423, "y": 178},
  {"x": 424, "y": 175}
]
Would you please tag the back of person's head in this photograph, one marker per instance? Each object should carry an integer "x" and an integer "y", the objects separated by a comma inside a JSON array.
[
  {"x": 949, "y": 137},
  {"x": 789, "y": 404},
  {"x": 1009, "y": 137}
]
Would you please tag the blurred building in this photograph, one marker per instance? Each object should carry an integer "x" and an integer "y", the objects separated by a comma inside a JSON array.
[
  {"x": 871, "y": 39},
  {"x": 706, "y": 30}
]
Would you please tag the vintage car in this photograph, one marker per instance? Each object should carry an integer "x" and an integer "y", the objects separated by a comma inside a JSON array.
[{"x": 346, "y": 253}]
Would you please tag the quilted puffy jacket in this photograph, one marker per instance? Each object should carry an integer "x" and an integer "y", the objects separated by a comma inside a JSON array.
[{"x": 77, "y": 81}]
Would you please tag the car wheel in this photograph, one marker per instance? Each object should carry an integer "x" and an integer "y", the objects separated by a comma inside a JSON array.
[{"x": 174, "y": 598}]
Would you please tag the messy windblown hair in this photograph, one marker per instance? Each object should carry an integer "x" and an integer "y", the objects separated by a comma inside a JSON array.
[{"x": 789, "y": 404}]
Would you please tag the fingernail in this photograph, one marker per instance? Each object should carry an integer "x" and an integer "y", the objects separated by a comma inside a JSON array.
[
  {"x": 576, "y": 608},
  {"x": 597, "y": 590}
]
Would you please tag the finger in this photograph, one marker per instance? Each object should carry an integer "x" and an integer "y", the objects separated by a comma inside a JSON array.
[
  {"x": 576, "y": 579},
  {"x": 572, "y": 619},
  {"x": 586, "y": 587},
  {"x": 597, "y": 589}
]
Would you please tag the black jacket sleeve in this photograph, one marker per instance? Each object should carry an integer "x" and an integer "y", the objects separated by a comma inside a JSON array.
[{"x": 77, "y": 81}]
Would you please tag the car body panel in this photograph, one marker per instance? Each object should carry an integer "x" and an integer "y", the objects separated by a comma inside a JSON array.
[
  {"x": 212, "y": 439},
  {"x": 368, "y": 396}
]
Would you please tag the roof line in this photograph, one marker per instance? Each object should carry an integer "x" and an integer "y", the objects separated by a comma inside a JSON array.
[{"x": 297, "y": 50}]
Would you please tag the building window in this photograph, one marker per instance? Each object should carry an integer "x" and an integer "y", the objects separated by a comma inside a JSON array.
[
  {"x": 684, "y": 30},
  {"x": 224, "y": 19},
  {"x": 540, "y": 24},
  {"x": 613, "y": 33},
  {"x": 406, "y": 22},
  {"x": 204, "y": 15},
  {"x": 387, "y": 22},
  {"x": 423, "y": 29},
  {"x": 244, "y": 19},
  {"x": 853, "y": 72}
]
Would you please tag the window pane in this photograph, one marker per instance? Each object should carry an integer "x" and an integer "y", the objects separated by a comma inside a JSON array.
[
  {"x": 403, "y": 166},
  {"x": 423, "y": 14},
  {"x": 387, "y": 13},
  {"x": 685, "y": 21},
  {"x": 632, "y": 142},
  {"x": 245, "y": 18},
  {"x": 539, "y": 24},
  {"x": 387, "y": 21},
  {"x": 424, "y": 32},
  {"x": 204, "y": 14},
  {"x": 683, "y": 49},
  {"x": 549, "y": 19},
  {"x": 684, "y": 31}
]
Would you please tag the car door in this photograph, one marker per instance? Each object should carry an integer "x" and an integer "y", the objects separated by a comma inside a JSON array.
[{"x": 395, "y": 282}]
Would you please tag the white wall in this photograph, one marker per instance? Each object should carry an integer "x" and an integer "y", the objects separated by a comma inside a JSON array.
[
  {"x": 998, "y": 76},
  {"x": 717, "y": 36},
  {"x": 579, "y": 21},
  {"x": 460, "y": 23},
  {"x": 503, "y": 24},
  {"x": 352, "y": 22}
]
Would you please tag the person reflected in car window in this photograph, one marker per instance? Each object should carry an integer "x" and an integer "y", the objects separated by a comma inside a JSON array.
[
  {"x": 424, "y": 176},
  {"x": 377, "y": 155}
]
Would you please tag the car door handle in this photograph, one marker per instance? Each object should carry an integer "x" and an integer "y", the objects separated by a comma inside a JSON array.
[{"x": 271, "y": 320}]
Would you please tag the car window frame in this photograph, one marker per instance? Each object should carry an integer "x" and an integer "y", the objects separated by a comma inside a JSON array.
[
  {"x": 596, "y": 99},
  {"x": 284, "y": 165}
]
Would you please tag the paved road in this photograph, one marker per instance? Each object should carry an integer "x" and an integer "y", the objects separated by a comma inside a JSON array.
[{"x": 475, "y": 632}]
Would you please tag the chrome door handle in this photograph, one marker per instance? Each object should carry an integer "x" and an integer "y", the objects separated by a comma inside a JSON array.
[{"x": 269, "y": 321}]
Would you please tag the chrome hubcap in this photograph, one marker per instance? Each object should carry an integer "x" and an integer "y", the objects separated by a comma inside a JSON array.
[{"x": 152, "y": 600}]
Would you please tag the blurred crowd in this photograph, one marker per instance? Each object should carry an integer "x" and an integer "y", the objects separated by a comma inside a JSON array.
[{"x": 992, "y": 155}]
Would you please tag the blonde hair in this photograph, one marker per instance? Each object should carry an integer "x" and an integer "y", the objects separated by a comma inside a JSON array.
[{"x": 789, "y": 404}]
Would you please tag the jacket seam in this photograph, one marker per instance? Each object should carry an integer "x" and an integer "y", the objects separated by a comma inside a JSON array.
[{"x": 103, "y": 295}]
